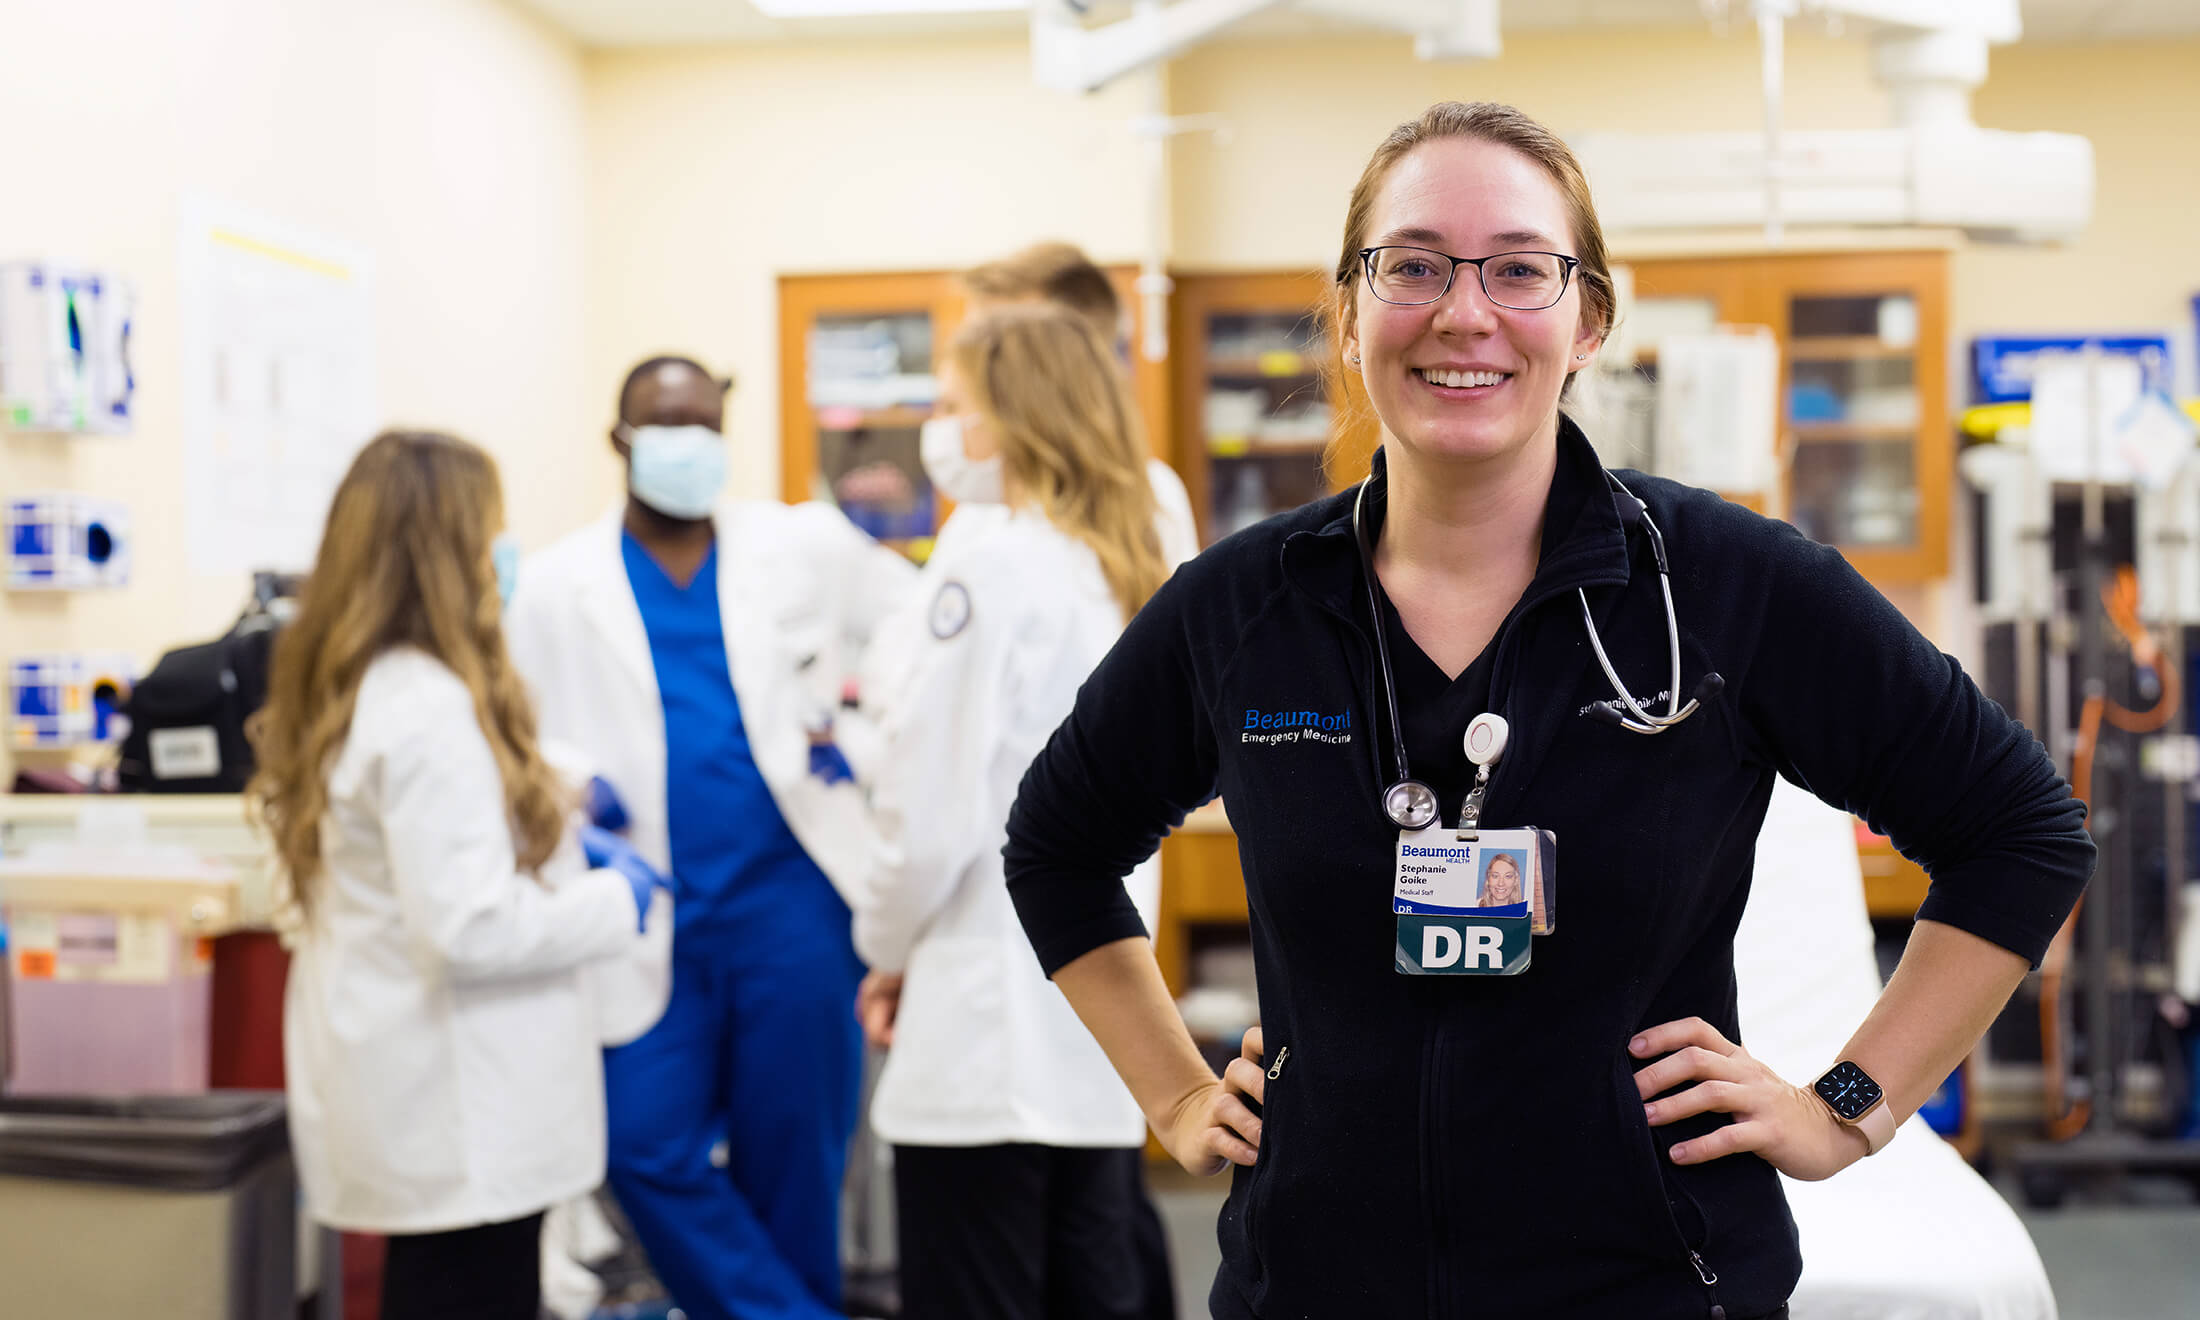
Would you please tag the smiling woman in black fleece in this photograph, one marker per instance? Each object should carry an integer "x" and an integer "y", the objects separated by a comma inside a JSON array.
[{"x": 1588, "y": 1138}]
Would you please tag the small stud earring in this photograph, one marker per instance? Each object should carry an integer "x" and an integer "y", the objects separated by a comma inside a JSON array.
[
  {"x": 1581, "y": 357},
  {"x": 1353, "y": 359}
]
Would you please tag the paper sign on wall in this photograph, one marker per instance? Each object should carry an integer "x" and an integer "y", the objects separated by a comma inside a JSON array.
[{"x": 279, "y": 386}]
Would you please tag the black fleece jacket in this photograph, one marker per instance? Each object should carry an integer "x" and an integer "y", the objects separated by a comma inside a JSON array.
[{"x": 1452, "y": 1147}]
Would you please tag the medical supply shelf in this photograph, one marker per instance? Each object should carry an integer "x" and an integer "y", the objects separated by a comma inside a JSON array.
[
  {"x": 1867, "y": 444},
  {"x": 1256, "y": 398}
]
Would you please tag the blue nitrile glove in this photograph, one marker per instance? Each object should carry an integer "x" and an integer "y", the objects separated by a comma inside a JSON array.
[
  {"x": 827, "y": 764},
  {"x": 607, "y": 851},
  {"x": 603, "y": 806}
]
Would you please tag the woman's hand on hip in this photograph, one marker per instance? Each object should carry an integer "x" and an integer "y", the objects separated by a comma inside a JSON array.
[
  {"x": 1213, "y": 1126},
  {"x": 1786, "y": 1125}
]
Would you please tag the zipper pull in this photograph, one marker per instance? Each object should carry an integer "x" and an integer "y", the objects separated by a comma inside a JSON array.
[
  {"x": 1710, "y": 1282},
  {"x": 1282, "y": 1056}
]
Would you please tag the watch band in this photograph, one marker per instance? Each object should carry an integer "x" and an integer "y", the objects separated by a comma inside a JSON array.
[{"x": 1878, "y": 1128}]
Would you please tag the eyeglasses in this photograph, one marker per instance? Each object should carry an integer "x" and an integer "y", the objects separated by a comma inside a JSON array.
[{"x": 1518, "y": 281}]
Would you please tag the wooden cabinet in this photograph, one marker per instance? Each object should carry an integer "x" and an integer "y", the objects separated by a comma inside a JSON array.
[
  {"x": 857, "y": 357},
  {"x": 856, "y": 381},
  {"x": 1256, "y": 398},
  {"x": 1867, "y": 445}
]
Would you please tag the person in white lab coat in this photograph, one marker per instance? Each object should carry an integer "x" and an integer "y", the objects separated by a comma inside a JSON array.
[
  {"x": 1060, "y": 273},
  {"x": 1015, "y": 1149},
  {"x": 694, "y": 650},
  {"x": 441, "y": 1044}
]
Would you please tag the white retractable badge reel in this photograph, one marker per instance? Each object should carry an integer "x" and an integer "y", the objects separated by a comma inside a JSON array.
[{"x": 1468, "y": 901}]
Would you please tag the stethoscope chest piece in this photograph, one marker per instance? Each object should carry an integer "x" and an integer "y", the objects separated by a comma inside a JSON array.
[{"x": 1410, "y": 804}]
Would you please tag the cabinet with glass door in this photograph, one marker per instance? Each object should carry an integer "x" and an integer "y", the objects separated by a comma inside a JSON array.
[
  {"x": 856, "y": 382},
  {"x": 1867, "y": 450},
  {"x": 857, "y": 361},
  {"x": 1253, "y": 411}
]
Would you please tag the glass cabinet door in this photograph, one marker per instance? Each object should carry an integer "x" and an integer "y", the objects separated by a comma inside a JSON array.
[
  {"x": 1264, "y": 418},
  {"x": 1853, "y": 412},
  {"x": 870, "y": 388}
]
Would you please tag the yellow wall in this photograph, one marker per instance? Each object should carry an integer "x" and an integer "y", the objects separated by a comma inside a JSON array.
[
  {"x": 2137, "y": 266},
  {"x": 443, "y": 136},
  {"x": 712, "y": 172},
  {"x": 1304, "y": 115}
]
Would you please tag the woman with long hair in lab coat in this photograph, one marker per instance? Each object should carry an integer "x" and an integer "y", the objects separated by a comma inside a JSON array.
[
  {"x": 441, "y": 1044},
  {"x": 1015, "y": 1147}
]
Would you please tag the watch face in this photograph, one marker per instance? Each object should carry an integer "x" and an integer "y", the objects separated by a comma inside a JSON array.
[{"x": 1848, "y": 1089}]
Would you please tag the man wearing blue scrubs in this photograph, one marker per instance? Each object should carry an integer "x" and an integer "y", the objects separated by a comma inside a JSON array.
[{"x": 730, "y": 1119}]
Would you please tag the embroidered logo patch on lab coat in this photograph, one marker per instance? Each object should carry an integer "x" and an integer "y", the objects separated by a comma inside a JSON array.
[{"x": 950, "y": 610}]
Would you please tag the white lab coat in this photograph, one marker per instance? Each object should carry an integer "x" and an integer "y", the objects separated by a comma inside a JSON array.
[
  {"x": 1173, "y": 524},
  {"x": 1179, "y": 531},
  {"x": 799, "y": 590},
  {"x": 981, "y": 664},
  {"x": 441, "y": 1048}
]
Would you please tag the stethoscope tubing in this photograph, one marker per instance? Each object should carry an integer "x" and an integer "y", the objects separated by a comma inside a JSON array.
[{"x": 1635, "y": 718}]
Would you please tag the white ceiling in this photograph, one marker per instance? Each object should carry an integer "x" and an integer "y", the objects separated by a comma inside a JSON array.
[{"x": 680, "y": 22}]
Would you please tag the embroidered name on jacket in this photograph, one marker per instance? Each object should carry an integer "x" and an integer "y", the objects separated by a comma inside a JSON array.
[{"x": 1290, "y": 726}]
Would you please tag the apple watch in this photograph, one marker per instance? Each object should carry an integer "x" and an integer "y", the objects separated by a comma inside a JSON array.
[{"x": 1857, "y": 1101}]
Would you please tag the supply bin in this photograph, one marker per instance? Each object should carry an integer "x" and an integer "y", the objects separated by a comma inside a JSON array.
[
  {"x": 109, "y": 962},
  {"x": 182, "y": 1207}
]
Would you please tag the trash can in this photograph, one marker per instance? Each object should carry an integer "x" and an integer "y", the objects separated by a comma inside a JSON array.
[{"x": 183, "y": 1207}]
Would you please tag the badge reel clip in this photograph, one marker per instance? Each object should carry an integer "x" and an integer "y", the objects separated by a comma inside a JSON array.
[{"x": 1486, "y": 737}]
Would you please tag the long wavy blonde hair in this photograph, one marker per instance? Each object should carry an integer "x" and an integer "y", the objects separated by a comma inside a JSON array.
[
  {"x": 1052, "y": 392},
  {"x": 405, "y": 561}
]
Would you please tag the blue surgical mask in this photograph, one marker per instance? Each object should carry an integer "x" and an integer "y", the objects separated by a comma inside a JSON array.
[
  {"x": 504, "y": 553},
  {"x": 676, "y": 470}
]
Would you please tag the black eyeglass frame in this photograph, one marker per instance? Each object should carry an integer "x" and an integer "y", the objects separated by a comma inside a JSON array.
[{"x": 1565, "y": 279}]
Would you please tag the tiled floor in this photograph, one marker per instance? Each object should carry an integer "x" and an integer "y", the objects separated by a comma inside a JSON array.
[{"x": 2106, "y": 1262}]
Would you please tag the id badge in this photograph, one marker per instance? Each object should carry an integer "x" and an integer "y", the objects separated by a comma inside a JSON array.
[{"x": 1470, "y": 906}]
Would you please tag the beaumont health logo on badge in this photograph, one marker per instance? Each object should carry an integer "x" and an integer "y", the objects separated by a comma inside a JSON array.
[{"x": 1291, "y": 726}]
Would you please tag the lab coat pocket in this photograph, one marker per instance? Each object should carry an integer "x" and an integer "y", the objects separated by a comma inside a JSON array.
[{"x": 627, "y": 992}]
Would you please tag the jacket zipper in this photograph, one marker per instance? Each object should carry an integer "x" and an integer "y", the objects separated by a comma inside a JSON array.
[
  {"x": 1432, "y": 1146},
  {"x": 1440, "y": 1293},
  {"x": 1710, "y": 1282},
  {"x": 1283, "y": 1056},
  {"x": 1705, "y": 1275}
]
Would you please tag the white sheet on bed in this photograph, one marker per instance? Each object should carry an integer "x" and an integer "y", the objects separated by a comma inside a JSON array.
[{"x": 1913, "y": 1233}]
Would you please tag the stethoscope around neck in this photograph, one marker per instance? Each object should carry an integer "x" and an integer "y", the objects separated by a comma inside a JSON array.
[{"x": 1411, "y": 804}]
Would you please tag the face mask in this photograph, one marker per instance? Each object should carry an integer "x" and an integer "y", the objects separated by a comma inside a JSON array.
[
  {"x": 960, "y": 478},
  {"x": 504, "y": 553},
  {"x": 676, "y": 470}
]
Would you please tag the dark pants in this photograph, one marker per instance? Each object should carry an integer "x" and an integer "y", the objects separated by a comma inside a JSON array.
[
  {"x": 1017, "y": 1233},
  {"x": 493, "y": 1272},
  {"x": 1149, "y": 1242}
]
